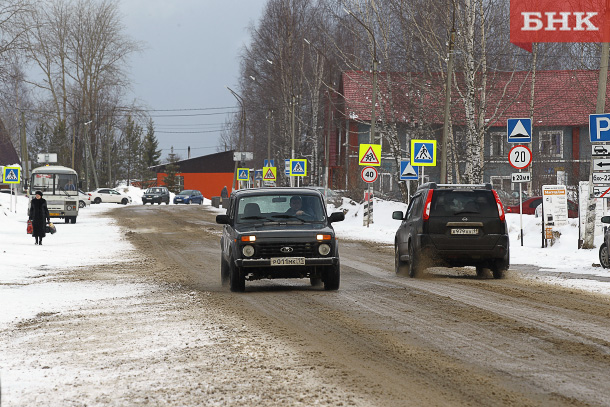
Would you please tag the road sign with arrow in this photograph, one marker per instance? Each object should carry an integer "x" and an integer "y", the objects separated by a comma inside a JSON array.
[{"x": 601, "y": 164}]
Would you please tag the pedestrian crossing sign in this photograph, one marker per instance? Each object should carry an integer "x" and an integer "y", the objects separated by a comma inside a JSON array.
[
  {"x": 423, "y": 153},
  {"x": 298, "y": 168},
  {"x": 269, "y": 173},
  {"x": 370, "y": 155},
  {"x": 243, "y": 174},
  {"x": 11, "y": 175}
]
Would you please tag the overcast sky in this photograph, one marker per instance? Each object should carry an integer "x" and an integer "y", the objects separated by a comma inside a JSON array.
[{"x": 191, "y": 53}]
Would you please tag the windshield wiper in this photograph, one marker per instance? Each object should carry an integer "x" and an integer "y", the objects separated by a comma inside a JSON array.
[
  {"x": 255, "y": 217},
  {"x": 287, "y": 216}
]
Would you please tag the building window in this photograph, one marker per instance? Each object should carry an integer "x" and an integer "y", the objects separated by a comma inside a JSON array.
[
  {"x": 496, "y": 144},
  {"x": 551, "y": 143}
]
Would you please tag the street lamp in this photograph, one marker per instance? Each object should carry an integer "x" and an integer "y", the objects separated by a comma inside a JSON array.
[
  {"x": 373, "y": 102},
  {"x": 327, "y": 135},
  {"x": 242, "y": 129}
]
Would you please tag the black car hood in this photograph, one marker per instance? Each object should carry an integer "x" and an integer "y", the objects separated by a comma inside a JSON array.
[{"x": 280, "y": 229}]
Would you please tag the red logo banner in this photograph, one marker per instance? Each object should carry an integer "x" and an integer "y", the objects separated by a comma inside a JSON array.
[{"x": 559, "y": 21}]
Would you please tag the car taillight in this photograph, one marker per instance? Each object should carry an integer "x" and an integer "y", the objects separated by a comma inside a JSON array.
[
  {"x": 500, "y": 207},
  {"x": 428, "y": 204}
]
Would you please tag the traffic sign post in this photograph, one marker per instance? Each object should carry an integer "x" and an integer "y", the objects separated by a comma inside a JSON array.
[
  {"x": 423, "y": 153},
  {"x": 298, "y": 168},
  {"x": 12, "y": 175},
  {"x": 408, "y": 172},
  {"x": 520, "y": 157},
  {"x": 243, "y": 174},
  {"x": 519, "y": 130},
  {"x": 269, "y": 174},
  {"x": 369, "y": 174},
  {"x": 599, "y": 127}
]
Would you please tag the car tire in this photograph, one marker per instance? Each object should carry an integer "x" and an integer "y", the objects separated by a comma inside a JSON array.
[
  {"x": 66, "y": 220},
  {"x": 224, "y": 272},
  {"x": 159, "y": 203},
  {"x": 97, "y": 200},
  {"x": 315, "y": 281},
  {"x": 201, "y": 202},
  {"x": 400, "y": 267},
  {"x": 237, "y": 279},
  {"x": 81, "y": 204},
  {"x": 332, "y": 277},
  {"x": 499, "y": 267},
  {"x": 603, "y": 256},
  {"x": 414, "y": 266},
  {"x": 188, "y": 202},
  {"x": 480, "y": 271},
  {"x": 124, "y": 201},
  {"x": 167, "y": 202},
  {"x": 73, "y": 219}
]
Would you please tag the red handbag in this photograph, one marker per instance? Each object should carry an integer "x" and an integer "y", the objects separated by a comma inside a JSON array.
[{"x": 30, "y": 227}]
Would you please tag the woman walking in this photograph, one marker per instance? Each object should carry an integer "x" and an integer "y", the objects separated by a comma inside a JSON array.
[{"x": 38, "y": 213}]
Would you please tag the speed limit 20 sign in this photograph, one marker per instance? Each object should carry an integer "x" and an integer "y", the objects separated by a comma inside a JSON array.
[
  {"x": 369, "y": 174},
  {"x": 520, "y": 157}
]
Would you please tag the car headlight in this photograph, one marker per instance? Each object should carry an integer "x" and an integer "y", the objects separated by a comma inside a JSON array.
[
  {"x": 248, "y": 250},
  {"x": 324, "y": 249}
]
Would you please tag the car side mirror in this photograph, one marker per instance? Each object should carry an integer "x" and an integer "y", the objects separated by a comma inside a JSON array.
[
  {"x": 222, "y": 219},
  {"x": 336, "y": 217},
  {"x": 605, "y": 219},
  {"x": 398, "y": 215}
]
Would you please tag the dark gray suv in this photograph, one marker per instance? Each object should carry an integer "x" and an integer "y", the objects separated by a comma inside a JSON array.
[
  {"x": 452, "y": 225},
  {"x": 273, "y": 233},
  {"x": 603, "y": 249},
  {"x": 156, "y": 195}
]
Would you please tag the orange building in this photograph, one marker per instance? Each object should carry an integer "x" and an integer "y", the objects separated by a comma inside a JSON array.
[{"x": 208, "y": 173}]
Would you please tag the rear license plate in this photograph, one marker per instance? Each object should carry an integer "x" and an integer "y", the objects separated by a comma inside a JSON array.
[
  {"x": 288, "y": 261},
  {"x": 53, "y": 214},
  {"x": 464, "y": 231}
]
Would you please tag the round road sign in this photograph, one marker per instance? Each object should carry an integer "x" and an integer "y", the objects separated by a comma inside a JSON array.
[
  {"x": 369, "y": 174},
  {"x": 520, "y": 157}
]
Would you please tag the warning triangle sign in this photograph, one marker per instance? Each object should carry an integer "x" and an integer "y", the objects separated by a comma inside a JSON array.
[
  {"x": 269, "y": 175},
  {"x": 519, "y": 131},
  {"x": 423, "y": 153},
  {"x": 11, "y": 175},
  {"x": 370, "y": 157},
  {"x": 409, "y": 171}
]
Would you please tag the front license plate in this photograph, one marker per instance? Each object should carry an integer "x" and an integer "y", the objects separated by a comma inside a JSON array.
[
  {"x": 288, "y": 261},
  {"x": 53, "y": 214},
  {"x": 464, "y": 231}
]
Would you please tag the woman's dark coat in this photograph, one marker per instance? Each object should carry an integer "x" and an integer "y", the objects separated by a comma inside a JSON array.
[{"x": 38, "y": 214}]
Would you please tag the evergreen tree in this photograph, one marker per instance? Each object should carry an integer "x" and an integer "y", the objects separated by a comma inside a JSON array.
[
  {"x": 171, "y": 170},
  {"x": 151, "y": 153}
]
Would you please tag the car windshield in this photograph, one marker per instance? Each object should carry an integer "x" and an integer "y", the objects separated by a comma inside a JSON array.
[
  {"x": 450, "y": 203},
  {"x": 280, "y": 208},
  {"x": 154, "y": 190},
  {"x": 186, "y": 192}
]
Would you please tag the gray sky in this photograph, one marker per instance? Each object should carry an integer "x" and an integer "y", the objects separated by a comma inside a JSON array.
[{"x": 191, "y": 53}]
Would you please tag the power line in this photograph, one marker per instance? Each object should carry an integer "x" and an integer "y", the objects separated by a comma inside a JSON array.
[{"x": 189, "y": 132}]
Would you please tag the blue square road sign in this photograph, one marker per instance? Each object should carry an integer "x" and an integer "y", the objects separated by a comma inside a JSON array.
[
  {"x": 599, "y": 127},
  {"x": 519, "y": 130}
]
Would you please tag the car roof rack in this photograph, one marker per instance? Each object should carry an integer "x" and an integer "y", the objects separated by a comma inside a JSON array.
[{"x": 434, "y": 185}]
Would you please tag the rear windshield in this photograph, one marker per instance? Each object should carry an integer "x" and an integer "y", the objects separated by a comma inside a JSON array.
[{"x": 450, "y": 203}]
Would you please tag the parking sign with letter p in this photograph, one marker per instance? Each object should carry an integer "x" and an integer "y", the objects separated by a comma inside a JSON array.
[{"x": 599, "y": 127}]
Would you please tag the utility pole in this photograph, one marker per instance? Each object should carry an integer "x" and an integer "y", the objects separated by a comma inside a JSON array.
[
  {"x": 599, "y": 109},
  {"x": 24, "y": 151},
  {"x": 292, "y": 126},
  {"x": 447, "y": 103},
  {"x": 97, "y": 185}
]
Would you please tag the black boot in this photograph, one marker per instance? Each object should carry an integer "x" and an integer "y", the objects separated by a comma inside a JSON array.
[
  {"x": 40, "y": 241},
  {"x": 36, "y": 237}
]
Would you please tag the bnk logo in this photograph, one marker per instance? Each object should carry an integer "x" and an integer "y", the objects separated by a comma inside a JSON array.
[{"x": 559, "y": 21}]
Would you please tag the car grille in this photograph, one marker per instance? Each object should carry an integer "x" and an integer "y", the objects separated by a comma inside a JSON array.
[{"x": 267, "y": 250}]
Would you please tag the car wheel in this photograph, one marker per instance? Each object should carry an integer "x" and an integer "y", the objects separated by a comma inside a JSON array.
[
  {"x": 167, "y": 202},
  {"x": 66, "y": 220},
  {"x": 332, "y": 277},
  {"x": 603, "y": 256},
  {"x": 159, "y": 203},
  {"x": 81, "y": 204},
  {"x": 414, "y": 267},
  {"x": 315, "y": 281},
  {"x": 201, "y": 202},
  {"x": 237, "y": 280},
  {"x": 143, "y": 203},
  {"x": 480, "y": 271},
  {"x": 97, "y": 200},
  {"x": 400, "y": 267},
  {"x": 499, "y": 267},
  {"x": 124, "y": 201},
  {"x": 188, "y": 202},
  {"x": 224, "y": 272}
]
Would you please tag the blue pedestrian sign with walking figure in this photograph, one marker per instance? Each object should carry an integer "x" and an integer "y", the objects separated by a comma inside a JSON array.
[
  {"x": 11, "y": 175},
  {"x": 519, "y": 130},
  {"x": 298, "y": 168}
]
